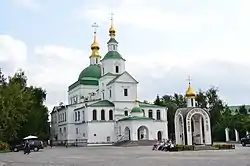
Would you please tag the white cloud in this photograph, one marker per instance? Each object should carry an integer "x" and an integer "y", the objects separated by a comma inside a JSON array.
[
  {"x": 29, "y": 4},
  {"x": 13, "y": 52}
]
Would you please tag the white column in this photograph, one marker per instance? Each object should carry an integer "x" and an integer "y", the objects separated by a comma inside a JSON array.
[
  {"x": 201, "y": 132},
  {"x": 177, "y": 130},
  {"x": 236, "y": 135},
  {"x": 227, "y": 134},
  {"x": 189, "y": 134}
]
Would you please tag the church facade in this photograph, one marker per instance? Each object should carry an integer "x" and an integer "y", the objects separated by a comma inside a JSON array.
[{"x": 102, "y": 104}]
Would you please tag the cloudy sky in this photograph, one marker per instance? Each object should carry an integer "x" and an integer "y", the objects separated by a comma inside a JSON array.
[{"x": 163, "y": 42}]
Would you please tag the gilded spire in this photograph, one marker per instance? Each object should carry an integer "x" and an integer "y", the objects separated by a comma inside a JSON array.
[
  {"x": 95, "y": 46},
  {"x": 190, "y": 91},
  {"x": 112, "y": 28}
]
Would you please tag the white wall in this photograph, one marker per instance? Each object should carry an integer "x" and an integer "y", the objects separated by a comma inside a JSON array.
[
  {"x": 153, "y": 128},
  {"x": 99, "y": 131},
  {"x": 119, "y": 91},
  {"x": 109, "y": 66},
  {"x": 102, "y": 86},
  {"x": 89, "y": 115},
  {"x": 81, "y": 90}
]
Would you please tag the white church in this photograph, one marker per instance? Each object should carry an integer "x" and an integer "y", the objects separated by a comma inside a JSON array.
[{"x": 102, "y": 104}]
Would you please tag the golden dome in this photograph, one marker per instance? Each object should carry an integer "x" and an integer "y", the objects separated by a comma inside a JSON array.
[
  {"x": 112, "y": 28},
  {"x": 95, "y": 43},
  {"x": 190, "y": 91}
]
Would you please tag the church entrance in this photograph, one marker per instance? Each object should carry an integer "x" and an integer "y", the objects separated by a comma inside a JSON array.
[
  {"x": 142, "y": 133},
  {"x": 127, "y": 133},
  {"x": 159, "y": 136},
  {"x": 197, "y": 129}
]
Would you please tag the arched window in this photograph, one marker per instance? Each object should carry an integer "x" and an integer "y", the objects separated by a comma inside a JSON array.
[
  {"x": 110, "y": 115},
  {"x": 158, "y": 115},
  {"x": 75, "y": 116},
  {"x": 79, "y": 116},
  {"x": 117, "y": 69},
  {"x": 126, "y": 113},
  {"x": 94, "y": 115},
  {"x": 150, "y": 113},
  {"x": 65, "y": 117},
  {"x": 102, "y": 115},
  {"x": 143, "y": 111}
]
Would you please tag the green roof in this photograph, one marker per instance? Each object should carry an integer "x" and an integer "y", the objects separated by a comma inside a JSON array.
[
  {"x": 112, "y": 55},
  {"x": 149, "y": 105},
  {"x": 136, "y": 110},
  {"x": 112, "y": 40},
  {"x": 92, "y": 71},
  {"x": 135, "y": 118},
  {"x": 102, "y": 103},
  {"x": 84, "y": 81}
]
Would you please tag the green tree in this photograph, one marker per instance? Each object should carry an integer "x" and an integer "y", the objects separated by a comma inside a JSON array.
[
  {"x": 15, "y": 102},
  {"x": 22, "y": 109}
]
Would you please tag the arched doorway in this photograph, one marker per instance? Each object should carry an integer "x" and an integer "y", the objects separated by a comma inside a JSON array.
[
  {"x": 127, "y": 133},
  {"x": 159, "y": 136},
  {"x": 142, "y": 133},
  {"x": 198, "y": 128}
]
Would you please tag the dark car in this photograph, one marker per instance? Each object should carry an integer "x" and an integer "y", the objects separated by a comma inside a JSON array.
[
  {"x": 245, "y": 140},
  {"x": 35, "y": 145}
]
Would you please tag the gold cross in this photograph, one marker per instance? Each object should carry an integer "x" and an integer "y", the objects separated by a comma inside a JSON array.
[
  {"x": 189, "y": 79},
  {"x": 95, "y": 26}
]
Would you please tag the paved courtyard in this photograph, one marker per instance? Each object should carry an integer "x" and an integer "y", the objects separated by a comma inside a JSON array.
[{"x": 126, "y": 156}]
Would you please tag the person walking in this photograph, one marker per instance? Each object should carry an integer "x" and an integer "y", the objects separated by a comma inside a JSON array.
[
  {"x": 26, "y": 147},
  {"x": 50, "y": 143}
]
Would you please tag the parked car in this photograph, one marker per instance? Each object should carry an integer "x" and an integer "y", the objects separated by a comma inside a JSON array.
[
  {"x": 35, "y": 145},
  {"x": 245, "y": 140}
]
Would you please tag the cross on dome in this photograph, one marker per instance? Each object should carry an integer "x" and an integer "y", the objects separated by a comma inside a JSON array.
[{"x": 95, "y": 26}]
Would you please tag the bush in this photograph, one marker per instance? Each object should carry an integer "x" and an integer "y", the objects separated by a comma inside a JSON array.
[
  {"x": 184, "y": 147},
  {"x": 4, "y": 146},
  {"x": 224, "y": 146}
]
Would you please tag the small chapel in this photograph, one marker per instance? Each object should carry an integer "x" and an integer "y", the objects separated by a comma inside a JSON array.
[
  {"x": 102, "y": 103},
  {"x": 192, "y": 124}
]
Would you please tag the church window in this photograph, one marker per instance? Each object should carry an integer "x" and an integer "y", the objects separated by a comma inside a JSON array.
[
  {"x": 75, "y": 116},
  {"x": 103, "y": 70},
  {"x": 94, "y": 115},
  {"x": 125, "y": 92},
  {"x": 158, "y": 115},
  {"x": 96, "y": 60},
  {"x": 79, "y": 116},
  {"x": 77, "y": 131},
  {"x": 103, "y": 95},
  {"x": 108, "y": 139},
  {"x": 110, "y": 115},
  {"x": 65, "y": 117},
  {"x": 150, "y": 114},
  {"x": 117, "y": 69},
  {"x": 110, "y": 94},
  {"x": 192, "y": 102},
  {"x": 102, "y": 115},
  {"x": 126, "y": 113}
]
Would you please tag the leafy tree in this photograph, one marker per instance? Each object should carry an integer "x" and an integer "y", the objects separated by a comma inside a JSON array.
[
  {"x": 157, "y": 100},
  {"x": 21, "y": 108}
]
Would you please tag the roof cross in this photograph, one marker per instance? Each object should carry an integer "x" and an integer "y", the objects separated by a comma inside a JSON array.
[
  {"x": 189, "y": 79},
  {"x": 111, "y": 16},
  {"x": 95, "y": 26}
]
